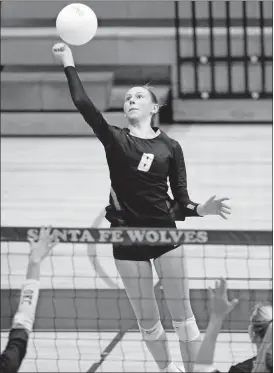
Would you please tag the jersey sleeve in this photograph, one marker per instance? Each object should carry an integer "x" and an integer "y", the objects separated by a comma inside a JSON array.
[
  {"x": 86, "y": 107},
  {"x": 178, "y": 182},
  {"x": 15, "y": 351}
]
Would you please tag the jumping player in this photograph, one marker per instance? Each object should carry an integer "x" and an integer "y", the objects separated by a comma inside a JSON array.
[
  {"x": 15, "y": 351},
  {"x": 141, "y": 158}
]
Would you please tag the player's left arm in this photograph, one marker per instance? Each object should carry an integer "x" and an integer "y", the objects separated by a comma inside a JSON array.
[
  {"x": 15, "y": 351},
  {"x": 178, "y": 184}
]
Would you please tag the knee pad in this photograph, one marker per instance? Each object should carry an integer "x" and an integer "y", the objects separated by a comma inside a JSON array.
[
  {"x": 187, "y": 330},
  {"x": 153, "y": 333}
]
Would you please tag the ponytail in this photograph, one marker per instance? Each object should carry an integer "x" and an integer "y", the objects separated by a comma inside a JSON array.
[{"x": 154, "y": 100}]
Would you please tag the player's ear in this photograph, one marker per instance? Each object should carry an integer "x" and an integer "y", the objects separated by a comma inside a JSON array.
[{"x": 155, "y": 109}]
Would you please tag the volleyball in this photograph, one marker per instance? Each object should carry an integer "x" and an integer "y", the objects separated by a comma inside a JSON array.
[{"x": 76, "y": 24}]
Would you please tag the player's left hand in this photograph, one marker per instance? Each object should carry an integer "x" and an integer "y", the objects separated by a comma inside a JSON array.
[{"x": 216, "y": 207}]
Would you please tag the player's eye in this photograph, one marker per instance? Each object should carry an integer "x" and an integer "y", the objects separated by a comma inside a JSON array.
[{"x": 139, "y": 96}]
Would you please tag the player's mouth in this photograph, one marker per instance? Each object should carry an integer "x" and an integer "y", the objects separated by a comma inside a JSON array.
[{"x": 132, "y": 109}]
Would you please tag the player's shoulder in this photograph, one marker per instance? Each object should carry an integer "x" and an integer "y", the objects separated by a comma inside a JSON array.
[
  {"x": 118, "y": 130},
  {"x": 115, "y": 128},
  {"x": 117, "y": 134},
  {"x": 172, "y": 142}
]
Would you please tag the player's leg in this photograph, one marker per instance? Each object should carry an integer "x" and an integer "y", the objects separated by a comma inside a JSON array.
[
  {"x": 172, "y": 271},
  {"x": 137, "y": 278}
]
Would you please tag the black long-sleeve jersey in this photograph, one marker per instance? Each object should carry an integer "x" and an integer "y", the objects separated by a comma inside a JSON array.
[
  {"x": 245, "y": 366},
  {"x": 139, "y": 168},
  {"x": 15, "y": 351}
]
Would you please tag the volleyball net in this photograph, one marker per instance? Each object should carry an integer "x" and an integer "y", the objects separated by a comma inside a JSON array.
[{"x": 84, "y": 321}]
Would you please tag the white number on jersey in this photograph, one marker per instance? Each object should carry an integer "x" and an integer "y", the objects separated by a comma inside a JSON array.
[{"x": 145, "y": 162}]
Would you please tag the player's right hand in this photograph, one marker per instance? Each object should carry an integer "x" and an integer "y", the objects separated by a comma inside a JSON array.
[
  {"x": 219, "y": 303},
  {"x": 41, "y": 248},
  {"x": 62, "y": 52}
]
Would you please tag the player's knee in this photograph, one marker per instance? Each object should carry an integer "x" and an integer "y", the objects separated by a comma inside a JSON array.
[
  {"x": 186, "y": 330},
  {"x": 152, "y": 334}
]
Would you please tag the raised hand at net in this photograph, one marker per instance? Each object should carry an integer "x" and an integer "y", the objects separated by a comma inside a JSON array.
[
  {"x": 219, "y": 303},
  {"x": 41, "y": 248}
]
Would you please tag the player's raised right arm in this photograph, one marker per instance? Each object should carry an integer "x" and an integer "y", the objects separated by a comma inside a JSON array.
[{"x": 84, "y": 105}]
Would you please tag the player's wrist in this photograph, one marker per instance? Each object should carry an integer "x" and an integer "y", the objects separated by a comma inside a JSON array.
[
  {"x": 201, "y": 210},
  {"x": 35, "y": 260},
  {"x": 68, "y": 61},
  {"x": 24, "y": 317},
  {"x": 216, "y": 320}
]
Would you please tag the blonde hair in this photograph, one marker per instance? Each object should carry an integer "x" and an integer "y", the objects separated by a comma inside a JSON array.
[
  {"x": 264, "y": 360},
  {"x": 260, "y": 319}
]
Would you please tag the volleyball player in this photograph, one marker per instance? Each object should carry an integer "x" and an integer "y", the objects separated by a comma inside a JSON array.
[
  {"x": 141, "y": 158},
  {"x": 260, "y": 325},
  {"x": 264, "y": 358},
  {"x": 260, "y": 331},
  {"x": 15, "y": 351}
]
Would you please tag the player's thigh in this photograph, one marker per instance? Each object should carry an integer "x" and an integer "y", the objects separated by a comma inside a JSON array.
[
  {"x": 137, "y": 277},
  {"x": 171, "y": 268}
]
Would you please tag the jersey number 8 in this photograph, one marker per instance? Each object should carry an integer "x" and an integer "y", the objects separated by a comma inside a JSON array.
[{"x": 145, "y": 162}]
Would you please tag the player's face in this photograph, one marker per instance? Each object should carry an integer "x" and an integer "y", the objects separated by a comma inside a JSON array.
[{"x": 138, "y": 104}]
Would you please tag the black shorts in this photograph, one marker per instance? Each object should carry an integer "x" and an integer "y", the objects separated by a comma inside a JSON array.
[
  {"x": 140, "y": 253},
  {"x": 144, "y": 253}
]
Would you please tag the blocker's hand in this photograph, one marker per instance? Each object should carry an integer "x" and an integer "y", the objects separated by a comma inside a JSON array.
[
  {"x": 216, "y": 207},
  {"x": 219, "y": 303},
  {"x": 62, "y": 53},
  {"x": 41, "y": 249}
]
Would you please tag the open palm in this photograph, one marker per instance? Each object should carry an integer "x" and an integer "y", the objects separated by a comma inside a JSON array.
[
  {"x": 215, "y": 206},
  {"x": 41, "y": 248},
  {"x": 220, "y": 305}
]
